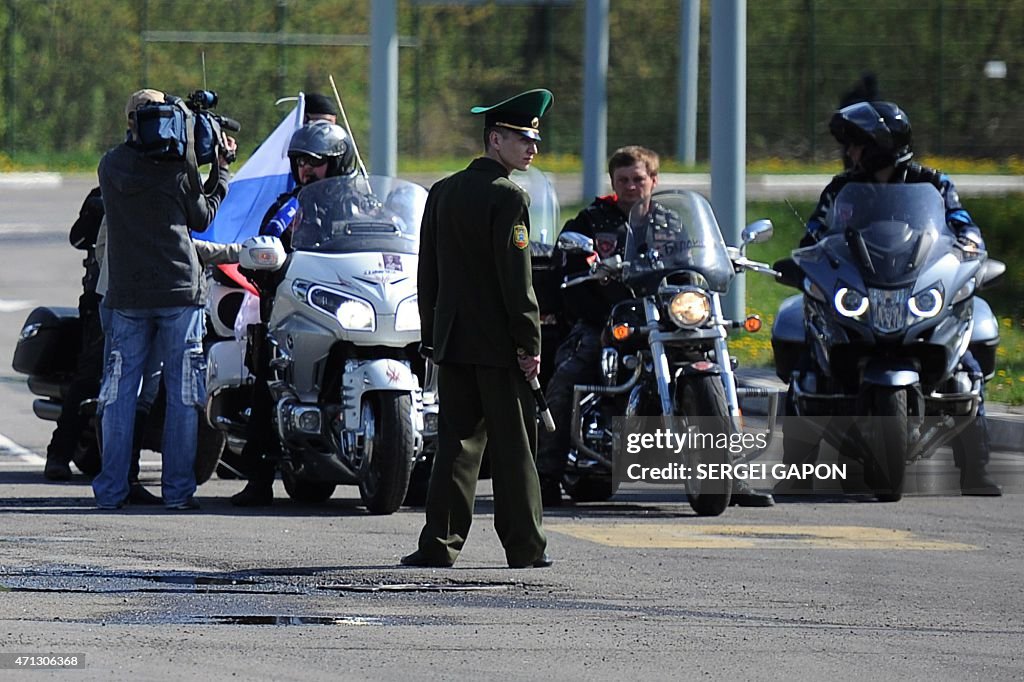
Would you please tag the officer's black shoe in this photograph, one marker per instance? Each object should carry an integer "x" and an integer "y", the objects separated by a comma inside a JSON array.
[
  {"x": 137, "y": 494},
  {"x": 550, "y": 493},
  {"x": 977, "y": 482},
  {"x": 543, "y": 562},
  {"x": 745, "y": 496},
  {"x": 255, "y": 494},
  {"x": 420, "y": 559},
  {"x": 57, "y": 470}
]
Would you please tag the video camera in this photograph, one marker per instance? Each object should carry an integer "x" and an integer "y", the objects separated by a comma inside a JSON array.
[
  {"x": 201, "y": 102},
  {"x": 162, "y": 128}
]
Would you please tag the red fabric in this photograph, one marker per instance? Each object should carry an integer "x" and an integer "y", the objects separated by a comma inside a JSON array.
[{"x": 231, "y": 270}]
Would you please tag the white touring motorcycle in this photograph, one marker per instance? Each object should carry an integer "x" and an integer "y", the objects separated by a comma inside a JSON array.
[{"x": 343, "y": 336}]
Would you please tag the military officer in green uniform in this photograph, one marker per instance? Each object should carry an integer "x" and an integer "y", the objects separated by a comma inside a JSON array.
[{"x": 480, "y": 324}]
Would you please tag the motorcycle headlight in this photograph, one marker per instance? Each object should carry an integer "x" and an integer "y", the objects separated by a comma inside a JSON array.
[
  {"x": 926, "y": 304},
  {"x": 689, "y": 308},
  {"x": 352, "y": 313},
  {"x": 850, "y": 302},
  {"x": 407, "y": 316}
]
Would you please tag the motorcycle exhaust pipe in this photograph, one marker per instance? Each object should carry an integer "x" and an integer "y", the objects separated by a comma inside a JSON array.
[{"x": 579, "y": 390}]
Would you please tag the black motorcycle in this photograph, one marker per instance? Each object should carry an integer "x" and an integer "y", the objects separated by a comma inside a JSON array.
[
  {"x": 666, "y": 351},
  {"x": 888, "y": 310}
]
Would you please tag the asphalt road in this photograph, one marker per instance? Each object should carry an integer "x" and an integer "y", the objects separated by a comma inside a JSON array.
[{"x": 929, "y": 588}]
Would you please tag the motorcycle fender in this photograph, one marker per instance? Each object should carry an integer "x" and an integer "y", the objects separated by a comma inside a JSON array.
[
  {"x": 700, "y": 367},
  {"x": 373, "y": 375},
  {"x": 881, "y": 372}
]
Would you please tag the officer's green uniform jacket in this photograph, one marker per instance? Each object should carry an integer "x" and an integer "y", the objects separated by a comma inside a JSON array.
[{"x": 477, "y": 304}]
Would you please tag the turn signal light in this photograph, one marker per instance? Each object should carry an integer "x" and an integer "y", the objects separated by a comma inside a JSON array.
[
  {"x": 621, "y": 332},
  {"x": 752, "y": 323}
]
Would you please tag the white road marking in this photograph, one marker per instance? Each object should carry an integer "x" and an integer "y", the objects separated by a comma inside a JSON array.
[
  {"x": 20, "y": 456},
  {"x": 13, "y": 305},
  {"x": 9, "y": 447},
  {"x": 21, "y": 180}
]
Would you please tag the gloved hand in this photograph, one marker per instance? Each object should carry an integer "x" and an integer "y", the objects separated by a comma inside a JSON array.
[{"x": 969, "y": 241}]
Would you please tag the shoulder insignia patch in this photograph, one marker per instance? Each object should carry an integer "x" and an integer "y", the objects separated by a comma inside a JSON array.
[{"x": 520, "y": 236}]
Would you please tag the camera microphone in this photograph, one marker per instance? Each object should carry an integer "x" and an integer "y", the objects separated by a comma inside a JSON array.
[{"x": 229, "y": 124}]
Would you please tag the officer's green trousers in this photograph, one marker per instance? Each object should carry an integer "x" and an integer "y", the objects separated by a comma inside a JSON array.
[{"x": 482, "y": 407}]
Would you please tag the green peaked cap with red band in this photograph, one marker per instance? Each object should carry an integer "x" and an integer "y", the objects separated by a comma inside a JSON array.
[{"x": 520, "y": 113}]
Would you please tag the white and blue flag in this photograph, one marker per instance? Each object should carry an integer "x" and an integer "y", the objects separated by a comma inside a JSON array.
[{"x": 265, "y": 176}]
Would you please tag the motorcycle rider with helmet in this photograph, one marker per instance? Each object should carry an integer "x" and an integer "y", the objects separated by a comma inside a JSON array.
[
  {"x": 317, "y": 150},
  {"x": 876, "y": 136}
]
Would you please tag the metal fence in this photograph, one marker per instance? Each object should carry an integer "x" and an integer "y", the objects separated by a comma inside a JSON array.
[{"x": 68, "y": 66}]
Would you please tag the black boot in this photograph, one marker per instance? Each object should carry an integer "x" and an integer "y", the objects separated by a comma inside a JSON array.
[
  {"x": 57, "y": 468},
  {"x": 550, "y": 492},
  {"x": 975, "y": 480},
  {"x": 259, "y": 491},
  {"x": 255, "y": 494},
  {"x": 137, "y": 494},
  {"x": 971, "y": 455}
]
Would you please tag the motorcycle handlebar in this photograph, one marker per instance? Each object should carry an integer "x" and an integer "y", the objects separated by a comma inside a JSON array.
[
  {"x": 602, "y": 270},
  {"x": 744, "y": 263}
]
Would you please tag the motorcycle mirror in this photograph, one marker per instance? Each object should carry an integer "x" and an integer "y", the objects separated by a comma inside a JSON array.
[
  {"x": 758, "y": 232},
  {"x": 262, "y": 252},
  {"x": 991, "y": 272},
  {"x": 575, "y": 243}
]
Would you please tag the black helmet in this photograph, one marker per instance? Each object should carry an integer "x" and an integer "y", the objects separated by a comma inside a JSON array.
[
  {"x": 882, "y": 127},
  {"x": 323, "y": 140}
]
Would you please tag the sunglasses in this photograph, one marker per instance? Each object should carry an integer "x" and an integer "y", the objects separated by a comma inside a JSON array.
[{"x": 309, "y": 161}]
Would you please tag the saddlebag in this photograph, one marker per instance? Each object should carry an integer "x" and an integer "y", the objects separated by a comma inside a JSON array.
[{"x": 50, "y": 341}]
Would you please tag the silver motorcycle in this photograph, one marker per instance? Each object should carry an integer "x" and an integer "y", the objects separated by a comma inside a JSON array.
[{"x": 343, "y": 336}]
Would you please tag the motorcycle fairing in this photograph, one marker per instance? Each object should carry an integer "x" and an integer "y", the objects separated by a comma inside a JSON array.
[{"x": 366, "y": 376}]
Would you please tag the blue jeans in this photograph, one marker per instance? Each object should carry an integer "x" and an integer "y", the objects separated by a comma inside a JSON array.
[
  {"x": 150, "y": 376},
  {"x": 175, "y": 337}
]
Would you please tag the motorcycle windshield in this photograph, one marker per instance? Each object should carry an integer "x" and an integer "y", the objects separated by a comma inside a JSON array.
[
  {"x": 355, "y": 214},
  {"x": 544, "y": 209},
  {"x": 889, "y": 228},
  {"x": 675, "y": 231}
]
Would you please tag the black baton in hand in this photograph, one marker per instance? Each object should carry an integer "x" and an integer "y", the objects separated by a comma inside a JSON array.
[{"x": 542, "y": 404}]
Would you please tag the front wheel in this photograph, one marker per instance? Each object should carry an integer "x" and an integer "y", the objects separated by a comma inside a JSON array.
[
  {"x": 889, "y": 442},
  {"x": 304, "y": 490},
  {"x": 587, "y": 487},
  {"x": 209, "y": 446},
  {"x": 388, "y": 449},
  {"x": 701, "y": 399}
]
